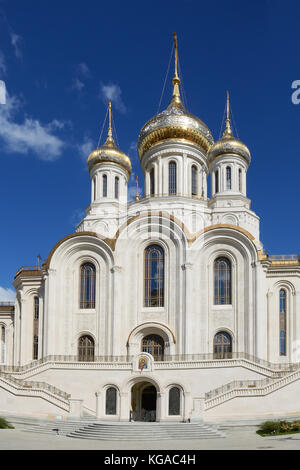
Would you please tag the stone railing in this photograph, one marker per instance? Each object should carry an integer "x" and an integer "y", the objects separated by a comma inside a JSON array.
[
  {"x": 43, "y": 386},
  {"x": 65, "y": 358},
  {"x": 246, "y": 388},
  {"x": 167, "y": 359}
]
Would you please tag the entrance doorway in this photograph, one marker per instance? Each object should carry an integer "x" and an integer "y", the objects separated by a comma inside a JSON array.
[{"x": 143, "y": 402}]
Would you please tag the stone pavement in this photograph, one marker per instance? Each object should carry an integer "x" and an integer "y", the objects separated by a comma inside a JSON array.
[{"x": 237, "y": 438}]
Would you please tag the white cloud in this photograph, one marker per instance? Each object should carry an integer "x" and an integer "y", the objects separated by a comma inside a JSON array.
[
  {"x": 16, "y": 40},
  {"x": 30, "y": 135},
  {"x": 77, "y": 84},
  {"x": 83, "y": 70},
  {"x": 77, "y": 216},
  {"x": 86, "y": 148},
  {"x": 113, "y": 93},
  {"x": 7, "y": 295}
]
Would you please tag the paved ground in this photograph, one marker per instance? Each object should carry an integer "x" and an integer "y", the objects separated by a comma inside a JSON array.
[{"x": 237, "y": 438}]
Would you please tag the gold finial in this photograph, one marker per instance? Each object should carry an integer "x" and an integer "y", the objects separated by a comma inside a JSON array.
[
  {"x": 228, "y": 130},
  {"x": 137, "y": 197},
  {"x": 176, "y": 79},
  {"x": 109, "y": 133}
]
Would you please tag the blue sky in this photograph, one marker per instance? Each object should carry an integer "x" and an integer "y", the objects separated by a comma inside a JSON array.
[{"x": 60, "y": 60}]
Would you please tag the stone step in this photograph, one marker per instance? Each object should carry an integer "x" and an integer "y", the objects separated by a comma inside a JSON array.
[{"x": 139, "y": 432}]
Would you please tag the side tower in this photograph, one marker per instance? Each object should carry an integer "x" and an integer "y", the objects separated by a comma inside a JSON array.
[
  {"x": 229, "y": 160},
  {"x": 109, "y": 170}
]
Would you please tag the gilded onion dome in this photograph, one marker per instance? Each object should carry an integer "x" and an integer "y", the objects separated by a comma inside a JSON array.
[
  {"x": 228, "y": 144},
  {"x": 174, "y": 123},
  {"x": 109, "y": 152}
]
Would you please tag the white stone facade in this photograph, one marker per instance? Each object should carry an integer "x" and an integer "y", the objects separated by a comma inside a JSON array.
[{"x": 255, "y": 378}]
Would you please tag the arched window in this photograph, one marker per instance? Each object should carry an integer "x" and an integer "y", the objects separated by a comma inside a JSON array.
[
  {"x": 240, "y": 180},
  {"x": 228, "y": 177},
  {"x": 154, "y": 276},
  {"x": 282, "y": 321},
  {"x": 86, "y": 348},
  {"x": 116, "y": 187},
  {"x": 194, "y": 181},
  {"x": 152, "y": 182},
  {"x": 174, "y": 401},
  {"x": 111, "y": 401},
  {"x": 154, "y": 344},
  {"x": 3, "y": 346},
  {"x": 104, "y": 185},
  {"x": 36, "y": 312},
  {"x": 222, "y": 281},
  {"x": 172, "y": 178},
  {"x": 87, "y": 285},
  {"x": 95, "y": 192},
  {"x": 217, "y": 181},
  {"x": 222, "y": 346}
]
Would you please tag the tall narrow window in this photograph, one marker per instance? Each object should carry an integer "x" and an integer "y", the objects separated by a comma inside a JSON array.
[
  {"x": 154, "y": 345},
  {"x": 3, "y": 347},
  {"x": 172, "y": 178},
  {"x": 217, "y": 181},
  {"x": 222, "y": 281},
  {"x": 174, "y": 401},
  {"x": 36, "y": 328},
  {"x": 152, "y": 182},
  {"x": 111, "y": 401},
  {"x": 116, "y": 187},
  {"x": 154, "y": 276},
  {"x": 240, "y": 180},
  {"x": 194, "y": 181},
  {"x": 104, "y": 185},
  {"x": 86, "y": 348},
  {"x": 282, "y": 321},
  {"x": 222, "y": 346},
  {"x": 228, "y": 177},
  {"x": 87, "y": 285},
  {"x": 95, "y": 189}
]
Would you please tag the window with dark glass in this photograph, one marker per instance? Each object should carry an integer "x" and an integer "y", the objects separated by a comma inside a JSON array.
[
  {"x": 87, "y": 285},
  {"x": 217, "y": 181},
  {"x": 194, "y": 181},
  {"x": 172, "y": 178},
  {"x": 154, "y": 344},
  {"x": 154, "y": 276},
  {"x": 95, "y": 193},
  {"x": 228, "y": 177},
  {"x": 240, "y": 180},
  {"x": 282, "y": 321},
  {"x": 222, "y": 281},
  {"x": 222, "y": 346},
  {"x": 104, "y": 185},
  {"x": 86, "y": 348},
  {"x": 116, "y": 187},
  {"x": 152, "y": 182},
  {"x": 111, "y": 401},
  {"x": 174, "y": 401},
  {"x": 2, "y": 358},
  {"x": 35, "y": 328}
]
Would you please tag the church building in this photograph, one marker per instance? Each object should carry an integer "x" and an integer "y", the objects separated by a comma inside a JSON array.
[{"x": 165, "y": 308}]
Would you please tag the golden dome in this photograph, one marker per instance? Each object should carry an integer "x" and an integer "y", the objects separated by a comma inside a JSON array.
[
  {"x": 228, "y": 144},
  {"x": 174, "y": 123},
  {"x": 109, "y": 152}
]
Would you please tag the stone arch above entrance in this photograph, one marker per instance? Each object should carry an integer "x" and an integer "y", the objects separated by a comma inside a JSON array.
[{"x": 151, "y": 329}]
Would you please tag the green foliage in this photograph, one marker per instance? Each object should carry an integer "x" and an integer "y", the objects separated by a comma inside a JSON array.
[
  {"x": 271, "y": 428},
  {"x": 5, "y": 424}
]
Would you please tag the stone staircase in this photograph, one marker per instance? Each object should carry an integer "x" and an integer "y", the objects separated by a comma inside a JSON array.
[
  {"x": 146, "y": 431},
  {"x": 54, "y": 426},
  {"x": 89, "y": 428}
]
